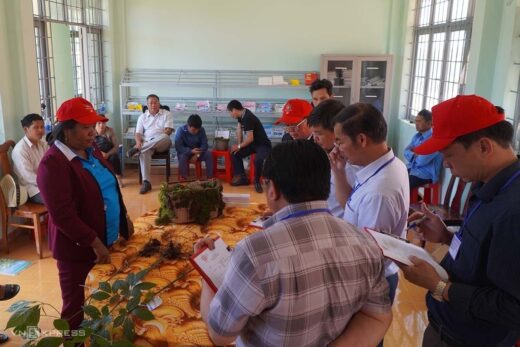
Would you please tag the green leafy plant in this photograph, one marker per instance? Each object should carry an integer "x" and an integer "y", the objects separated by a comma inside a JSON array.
[
  {"x": 201, "y": 198},
  {"x": 108, "y": 322}
]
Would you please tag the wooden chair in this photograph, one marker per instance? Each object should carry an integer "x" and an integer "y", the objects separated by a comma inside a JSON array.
[
  {"x": 28, "y": 211},
  {"x": 452, "y": 209},
  {"x": 164, "y": 156}
]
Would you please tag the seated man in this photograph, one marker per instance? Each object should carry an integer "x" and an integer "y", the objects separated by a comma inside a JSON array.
[
  {"x": 422, "y": 169},
  {"x": 308, "y": 279},
  {"x": 152, "y": 134},
  {"x": 191, "y": 142},
  {"x": 294, "y": 116},
  {"x": 28, "y": 153},
  {"x": 256, "y": 141}
]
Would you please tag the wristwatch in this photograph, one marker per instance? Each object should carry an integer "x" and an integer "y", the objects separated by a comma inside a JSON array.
[
  {"x": 239, "y": 145},
  {"x": 439, "y": 290}
]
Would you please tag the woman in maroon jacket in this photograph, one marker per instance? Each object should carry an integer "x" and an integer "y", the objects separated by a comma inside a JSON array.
[{"x": 86, "y": 209}]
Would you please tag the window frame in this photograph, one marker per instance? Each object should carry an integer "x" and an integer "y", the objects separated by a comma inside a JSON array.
[
  {"x": 448, "y": 27},
  {"x": 82, "y": 17}
]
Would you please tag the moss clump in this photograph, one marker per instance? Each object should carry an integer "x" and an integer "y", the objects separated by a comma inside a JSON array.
[{"x": 201, "y": 198}]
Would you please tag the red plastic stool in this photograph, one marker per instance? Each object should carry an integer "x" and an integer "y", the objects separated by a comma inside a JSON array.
[
  {"x": 252, "y": 168},
  {"x": 198, "y": 170},
  {"x": 431, "y": 194},
  {"x": 225, "y": 174}
]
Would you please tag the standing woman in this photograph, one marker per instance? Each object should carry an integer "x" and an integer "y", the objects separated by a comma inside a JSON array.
[{"x": 86, "y": 209}]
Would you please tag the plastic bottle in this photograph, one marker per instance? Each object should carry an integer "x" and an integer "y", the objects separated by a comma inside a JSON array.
[
  {"x": 47, "y": 123},
  {"x": 102, "y": 108}
]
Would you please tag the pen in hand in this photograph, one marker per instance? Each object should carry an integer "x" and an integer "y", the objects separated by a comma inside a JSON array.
[{"x": 416, "y": 222}]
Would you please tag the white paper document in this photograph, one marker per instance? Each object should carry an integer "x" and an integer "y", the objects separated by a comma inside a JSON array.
[
  {"x": 212, "y": 264},
  {"x": 399, "y": 250}
]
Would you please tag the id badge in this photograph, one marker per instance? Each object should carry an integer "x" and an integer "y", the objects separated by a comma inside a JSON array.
[{"x": 454, "y": 246}]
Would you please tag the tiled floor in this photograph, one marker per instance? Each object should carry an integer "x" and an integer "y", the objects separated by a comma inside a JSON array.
[{"x": 40, "y": 281}]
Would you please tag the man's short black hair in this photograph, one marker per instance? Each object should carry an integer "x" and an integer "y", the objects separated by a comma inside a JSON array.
[
  {"x": 321, "y": 84},
  {"x": 365, "y": 119},
  {"x": 194, "y": 121},
  {"x": 300, "y": 170},
  {"x": 31, "y": 117},
  {"x": 501, "y": 133},
  {"x": 152, "y": 96},
  {"x": 426, "y": 114},
  {"x": 235, "y": 104},
  {"x": 324, "y": 114}
]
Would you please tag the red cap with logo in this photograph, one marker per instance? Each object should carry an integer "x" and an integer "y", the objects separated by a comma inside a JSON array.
[
  {"x": 79, "y": 109},
  {"x": 462, "y": 115},
  {"x": 294, "y": 111}
]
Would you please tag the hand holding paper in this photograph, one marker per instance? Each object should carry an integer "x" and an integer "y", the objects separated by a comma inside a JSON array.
[
  {"x": 401, "y": 251},
  {"x": 211, "y": 260}
]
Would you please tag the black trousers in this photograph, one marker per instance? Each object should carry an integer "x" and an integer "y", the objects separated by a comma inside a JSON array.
[{"x": 261, "y": 154}]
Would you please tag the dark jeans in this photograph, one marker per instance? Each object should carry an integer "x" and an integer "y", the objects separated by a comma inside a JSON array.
[
  {"x": 72, "y": 279},
  {"x": 393, "y": 281},
  {"x": 261, "y": 154},
  {"x": 37, "y": 199},
  {"x": 417, "y": 182}
]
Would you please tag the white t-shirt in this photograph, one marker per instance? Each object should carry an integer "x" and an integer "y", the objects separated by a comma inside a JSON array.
[
  {"x": 151, "y": 126},
  {"x": 381, "y": 199}
]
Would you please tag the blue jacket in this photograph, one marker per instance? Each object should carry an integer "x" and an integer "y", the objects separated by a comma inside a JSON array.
[
  {"x": 185, "y": 141},
  {"x": 423, "y": 166}
]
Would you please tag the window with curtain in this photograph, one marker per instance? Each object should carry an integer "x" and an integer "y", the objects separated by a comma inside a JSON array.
[{"x": 441, "y": 40}]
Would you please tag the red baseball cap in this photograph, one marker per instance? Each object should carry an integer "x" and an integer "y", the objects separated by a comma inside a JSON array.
[
  {"x": 294, "y": 111},
  {"x": 79, "y": 109},
  {"x": 459, "y": 116}
]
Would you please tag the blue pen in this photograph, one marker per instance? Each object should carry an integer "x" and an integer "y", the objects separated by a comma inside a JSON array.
[{"x": 416, "y": 223}]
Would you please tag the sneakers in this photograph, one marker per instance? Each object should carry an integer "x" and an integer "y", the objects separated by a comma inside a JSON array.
[
  {"x": 145, "y": 187},
  {"x": 132, "y": 152},
  {"x": 239, "y": 181},
  {"x": 258, "y": 187}
]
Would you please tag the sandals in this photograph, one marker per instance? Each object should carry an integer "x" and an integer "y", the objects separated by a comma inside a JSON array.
[{"x": 10, "y": 291}]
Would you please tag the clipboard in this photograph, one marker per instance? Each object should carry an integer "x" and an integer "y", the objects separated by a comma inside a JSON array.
[
  {"x": 401, "y": 250},
  {"x": 212, "y": 264}
]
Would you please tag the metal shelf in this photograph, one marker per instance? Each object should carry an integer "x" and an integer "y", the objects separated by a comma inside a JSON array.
[{"x": 187, "y": 87}]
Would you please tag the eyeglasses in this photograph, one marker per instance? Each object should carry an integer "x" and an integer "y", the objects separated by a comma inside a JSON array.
[{"x": 291, "y": 128}]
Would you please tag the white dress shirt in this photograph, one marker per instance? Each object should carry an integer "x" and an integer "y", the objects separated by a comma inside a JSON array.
[
  {"x": 26, "y": 158},
  {"x": 380, "y": 199},
  {"x": 151, "y": 126},
  {"x": 334, "y": 206}
]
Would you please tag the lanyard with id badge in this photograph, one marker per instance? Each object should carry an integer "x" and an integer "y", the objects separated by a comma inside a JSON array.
[{"x": 456, "y": 241}]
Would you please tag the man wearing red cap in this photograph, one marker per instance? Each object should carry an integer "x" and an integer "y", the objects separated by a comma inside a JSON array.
[
  {"x": 480, "y": 303},
  {"x": 294, "y": 116}
]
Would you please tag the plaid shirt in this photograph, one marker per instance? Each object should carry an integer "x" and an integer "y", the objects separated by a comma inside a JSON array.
[{"x": 300, "y": 281}]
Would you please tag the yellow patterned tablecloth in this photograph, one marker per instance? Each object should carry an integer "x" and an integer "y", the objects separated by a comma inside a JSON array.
[{"x": 177, "y": 321}]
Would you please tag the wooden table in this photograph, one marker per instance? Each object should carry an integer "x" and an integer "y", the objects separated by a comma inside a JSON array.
[{"x": 178, "y": 320}]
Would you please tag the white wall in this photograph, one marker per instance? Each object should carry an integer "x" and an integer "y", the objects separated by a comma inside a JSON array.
[{"x": 249, "y": 34}]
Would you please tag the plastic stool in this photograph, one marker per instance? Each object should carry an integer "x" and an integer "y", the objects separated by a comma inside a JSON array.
[
  {"x": 226, "y": 174},
  {"x": 431, "y": 194},
  {"x": 198, "y": 170},
  {"x": 252, "y": 167}
]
